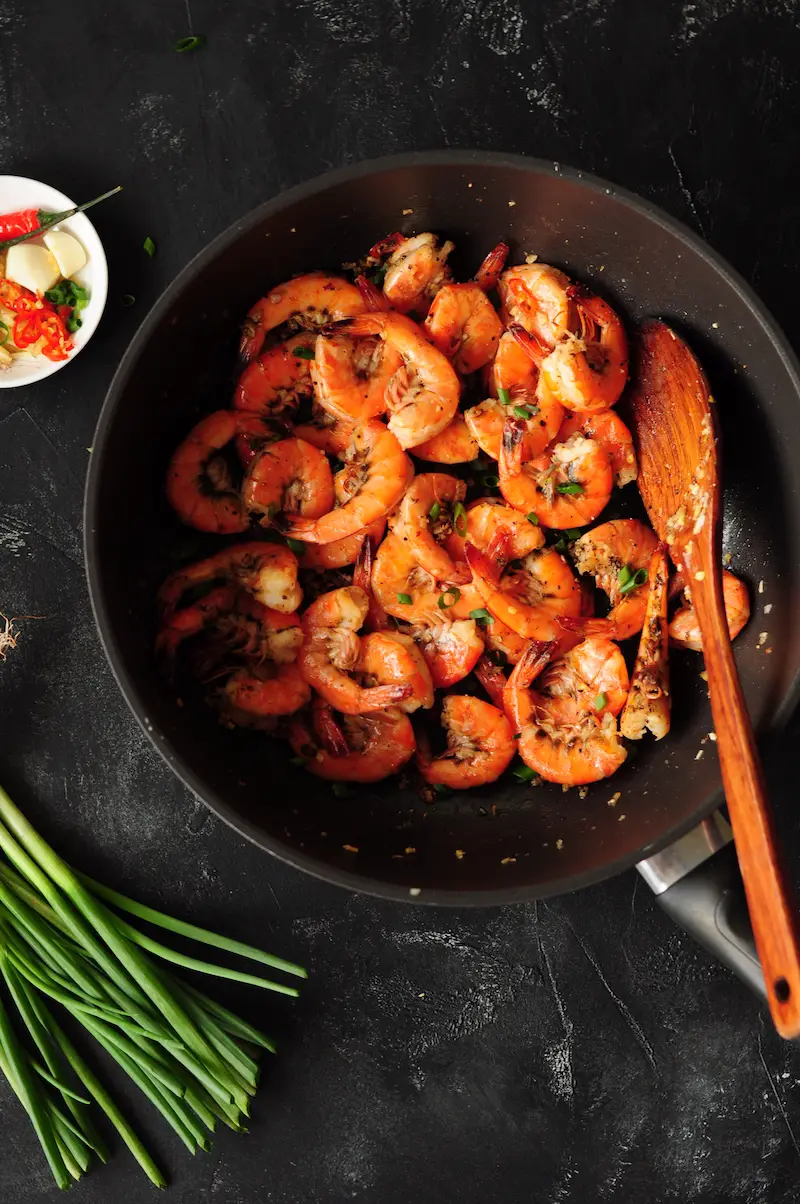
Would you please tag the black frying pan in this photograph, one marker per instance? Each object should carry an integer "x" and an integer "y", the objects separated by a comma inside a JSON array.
[{"x": 508, "y": 842}]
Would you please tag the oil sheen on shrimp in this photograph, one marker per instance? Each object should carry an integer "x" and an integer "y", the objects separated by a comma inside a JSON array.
[
  {"x": 537, "y": 297},
  {"x": 463, "y": 324},
  {"x": 289, "y": 477},
  {"x": 422, "y": 396},
  {"x": 480, "y": 745},
  {"x": 273, "y": 384},
  {"x": 568, "y": 486},
  {"x": 415, "y": 270},
  {"x": 351, "y": 376},
  {"x": 454, "y": 445},
  {"x": 305, "y": 302},
  {"x": 392, "y": 658},
  {"x": 613, "y": 554},
  {"x": 588, "y": 372},
  {"x": 533, "y": 599},
  {"x": 425, "y": 518}
]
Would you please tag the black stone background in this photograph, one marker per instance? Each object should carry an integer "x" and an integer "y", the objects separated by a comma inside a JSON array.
[{"x": 577, "y": 1051}]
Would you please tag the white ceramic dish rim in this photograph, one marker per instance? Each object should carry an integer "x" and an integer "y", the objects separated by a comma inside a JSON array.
[{"x": 21, "y": 192}]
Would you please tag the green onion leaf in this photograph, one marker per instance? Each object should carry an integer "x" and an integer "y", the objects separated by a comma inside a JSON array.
[
  {"x": 341, "y": 790},
  {"x": 522, "y": 412},
  {"x": 573, "y": 533},
  {"x": 434, "y": 512},
  {"x": 491, "y": 481},
  {"x": 460, "y": 519},
  {"x": 149, "y": 246},
  {"x": 190, "y": 43},
  {"x": 128, "y": 300},
  {"x": 295, "y": 545},
  {"x": 482, "y": 615},
  {"x": 453, "y": 593},
  {"x": 633, "y": 581},
  {"x": 442, "y": 790},
  {"x": 524, "y": 773},
  {"x": 601, "y": 701},
  {"x": 405, "y": 599},
  {"x": 504, "y": 396},
  {"x": 624, "y": 575},
  {"x": 570, "y": 487},
  {"x": 303, "y": 353},
  {"x": 533, "y": 518}
]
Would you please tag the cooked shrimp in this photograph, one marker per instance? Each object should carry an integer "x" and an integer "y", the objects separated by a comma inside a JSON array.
[
  {"x": 493, "y": 680},
  {"x": 617, "y": 554},
  {"x": 684, "y": 630},
  {"x": 258, "y": 634},
  {"x": 376, "y": 475},
  {"x": 377, "y": 619},
  {"x": 480, "y": 745},
  {"x": 648, "y": 705},
  {"x": 532, "y": 599},
  {"x": 268, "y": 571},
  {"x": 463, "y": 324},
  {"x": 415, "y": 270},
  {"x": 273, "y": 384},
  {"x": 422, "y": 396},
  {"x": 254, "y": 697},
  {"x": 407, "y": 591},
  {"x": 351, "y": 376},
  {"x": 307, "y": 302},
  {"x": 180, "y": 625},
  {"x": 425, "y": 518},
  {"x": 588, "y": 372},
  {"x": 451, "y": 648},
  {"x": 590, "y": 679},
  {"x": 377, "y": 744},
  {"x": 568, "y": 486},
  {"x": 371, "y": 295},
  {"x": 488, "y": 274},
  {"x": 328, "y": 434},
  {"x": 514, "y": 381},
  {"x": 482, "y": 522},
  {"x": 454, "y": 445},
  {"x": 331, "y": 650},
  {"x": 537, "y": 297},
  {"x": 572, "y": 755},
  {"x": 341, "y": 552},
  {"x": 199, "y": 484},
  {"x": 391, "y": 658},
  {"x": 607, "y": 429},
  {"x": 289, "y": 477}
]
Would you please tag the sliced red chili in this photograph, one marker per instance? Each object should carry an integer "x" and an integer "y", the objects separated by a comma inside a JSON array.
[{"x": 24, "y": 221}]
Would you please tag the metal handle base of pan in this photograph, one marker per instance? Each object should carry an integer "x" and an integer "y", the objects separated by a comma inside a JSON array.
[{"x": 697, "y": 882}]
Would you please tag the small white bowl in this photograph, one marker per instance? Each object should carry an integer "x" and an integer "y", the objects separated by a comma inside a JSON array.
[{"x": 18, "y": 192}]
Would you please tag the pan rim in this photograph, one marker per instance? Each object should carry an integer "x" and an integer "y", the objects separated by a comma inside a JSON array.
[{"x": 350, "y": 879}]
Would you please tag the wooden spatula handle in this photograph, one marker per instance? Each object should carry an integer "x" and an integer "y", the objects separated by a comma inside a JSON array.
[{"x": 769, "y": 896}]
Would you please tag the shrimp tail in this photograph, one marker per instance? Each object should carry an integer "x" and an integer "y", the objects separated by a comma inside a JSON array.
[
  {"x": 377, "y": 619},
  {"x": 492, "y": 678},
  {"x": 386, "y": 245},
  {"x": 371, "y": 295},
  {"x": 490, "y": 270},
  {"x": 482, "y": 566},
  {"x": 533, "y": 346},
  {"x": 326, "y": 728},
  {"x": 511, "y": 448},
  {"x": 378, "y": 698},
  {"x": 535, "y": 658}
]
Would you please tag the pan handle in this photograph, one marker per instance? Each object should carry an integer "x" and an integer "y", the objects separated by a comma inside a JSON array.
[{"x": 697, "y": 882}]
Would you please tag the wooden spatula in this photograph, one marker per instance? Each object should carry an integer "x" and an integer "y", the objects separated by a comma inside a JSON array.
[{"x": 674, "y": 429}]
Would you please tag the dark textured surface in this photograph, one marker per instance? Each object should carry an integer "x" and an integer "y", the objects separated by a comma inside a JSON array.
[{"x": 585, "y": 1051}]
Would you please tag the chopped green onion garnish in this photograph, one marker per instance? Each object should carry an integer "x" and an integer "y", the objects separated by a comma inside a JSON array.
[
  {"x": 434, "y": 512},
  {"x": 633, "y": 581},
  {"x": 341, "y": 789},
  {"x": 573, "y": 533},
  {"x": 460, "y": 519},
  {"x": 570, "y": 487},
  {"x": 405, "y": 599},
  {"x": 190, "y": 43},
  {"x": 533, "y": 518},
  {"x": 149, "y": 246},
  {"x": 295, "y": 545},
  {"x": 128, "y": 299},
  {"x": 303, "y": 353},
  {"x": 504, "y": 396},
  {"x": 482, "y": 615},
  {"x": 522, "y": 412},
  {"x": 491, "y": 481},
  {"x": 524, "y": 773},
  {"x": 600, "y": 702},
  {"x": 4, "y": 329},
  {"x": 624, "y": 575},
  {"x": 453, "y": 593}
]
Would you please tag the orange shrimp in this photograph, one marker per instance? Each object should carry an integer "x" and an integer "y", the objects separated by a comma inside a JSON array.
[
  {"x": 648, "y": 705},
  {"x": 514, "y": 380},
  {"x": 607, "y": 429},
  {"x": 684, "y": 630},
  {"x": 351, "y": 376},
  {"x": 392, "y": 658},
  {"x": 572, "y": 754},
  {"x": 255, "y": 697},
  {"x": 341, "y": 552},
  {"x": 307, "y": 302},
  {"x": 568, "y": 486},
  {"x": 199, "y": 484},
  {"x": 617, "y": 554},
  {"x": 180, "y": 625},
  {"x": 454, "y": 445},
  {"x": 416, "y": 269},
  {"x": 422, "y": 396},
  {"x": 376, "y": 475},
  {"x": 377, "y": 618},
  {"x": 480, "y": 745},
  {"x": 493, "y": 680},
  {"x": 532, "y": 600},
  {"x": 588, "y": 372},
  {"x": 407, "y": 591},
  {"x": 289, "y": 477},
  {"x": 425, "y": 518},
  {"x": 273, "y": 384},
  {"x": 326, "y": 433},
  {"x": 451, "y": 648},
  {"x": 268, "y": 571},
  {"x": 331, "y": 650},
  {"x": 537, "y": 297},
  {"x": 591, "y": 678},
  {"x": 488, "y": 274},
  {"x": 374, "y": 746},
  {"x": 482, "y": 522},
  {"x": 463, "y": 324}
]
